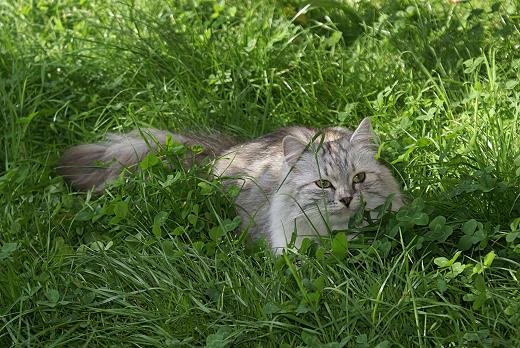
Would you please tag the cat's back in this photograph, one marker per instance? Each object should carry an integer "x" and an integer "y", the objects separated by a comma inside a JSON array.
[
  {"x": 306, "y": 134},
  {"x": 264, "y": 155},
  {"x": 256, "y": 157}
]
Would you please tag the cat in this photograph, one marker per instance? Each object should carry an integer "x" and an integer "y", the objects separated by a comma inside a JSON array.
[{"x": 296, "y": 179}]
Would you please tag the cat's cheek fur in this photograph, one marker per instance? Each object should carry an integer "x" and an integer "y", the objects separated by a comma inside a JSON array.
[{"x": 279, "y": 230}]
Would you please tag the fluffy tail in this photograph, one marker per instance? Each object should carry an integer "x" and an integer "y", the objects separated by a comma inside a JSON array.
[{"x": 96, "y": 165}]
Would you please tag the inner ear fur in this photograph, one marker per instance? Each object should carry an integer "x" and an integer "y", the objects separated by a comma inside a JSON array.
[
  {"x": 363, "y": 133},
  {"x": 292, "y": 149}
]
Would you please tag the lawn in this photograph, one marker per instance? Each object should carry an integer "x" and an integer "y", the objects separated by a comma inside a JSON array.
[{"x": 154, "y": 261}]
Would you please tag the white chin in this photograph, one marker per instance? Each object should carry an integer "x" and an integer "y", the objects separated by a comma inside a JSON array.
[{"x": 339, "y": 221}]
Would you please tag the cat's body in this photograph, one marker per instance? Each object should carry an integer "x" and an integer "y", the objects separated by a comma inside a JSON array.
[{"x": 296, "y": 179}]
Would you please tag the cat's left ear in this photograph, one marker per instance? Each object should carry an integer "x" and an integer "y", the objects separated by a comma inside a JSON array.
[{"x": 363, "y": 133}]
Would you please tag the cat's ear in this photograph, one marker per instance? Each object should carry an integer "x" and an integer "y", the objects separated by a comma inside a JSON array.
[
  {"x": 292, "y": 149},
  {"x": 363, "y": 133}
]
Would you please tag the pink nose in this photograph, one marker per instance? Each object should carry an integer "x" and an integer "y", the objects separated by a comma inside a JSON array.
[{"x": 346, "y": 200}]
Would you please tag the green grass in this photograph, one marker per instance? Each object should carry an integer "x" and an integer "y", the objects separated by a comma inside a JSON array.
[{"x": 153, "y": 262}]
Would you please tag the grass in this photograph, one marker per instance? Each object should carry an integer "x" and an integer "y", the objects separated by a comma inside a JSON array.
[{"x": 153, "y": 261}]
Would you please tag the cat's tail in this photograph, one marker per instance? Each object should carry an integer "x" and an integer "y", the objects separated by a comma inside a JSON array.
[{"x": 93, "y": 166}]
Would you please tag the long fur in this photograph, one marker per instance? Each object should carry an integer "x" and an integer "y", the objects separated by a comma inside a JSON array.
[
  {"x": 277, "y": 174},
  {"x": 94, "y": 166}
]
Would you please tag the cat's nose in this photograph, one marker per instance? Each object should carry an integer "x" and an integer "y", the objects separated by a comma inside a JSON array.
[{"x": 346, "y": 200}]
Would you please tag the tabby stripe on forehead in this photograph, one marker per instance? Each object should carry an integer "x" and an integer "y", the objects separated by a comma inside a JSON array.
[
  {"x": 328, "y": 167},
  {"x": 335, "y": 156},
  {"x": 343, "y": 147},
  {"x": 328, "y": 146},
  {"x": 345, "y": 163},
  {"x": 323, "y": 170}
]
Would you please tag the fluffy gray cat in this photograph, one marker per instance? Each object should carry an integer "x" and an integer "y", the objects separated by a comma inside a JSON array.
[{"x": 296, "y": 179}]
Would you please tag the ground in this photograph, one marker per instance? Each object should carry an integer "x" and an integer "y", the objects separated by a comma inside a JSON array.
[{"x": 154, "y": 261}]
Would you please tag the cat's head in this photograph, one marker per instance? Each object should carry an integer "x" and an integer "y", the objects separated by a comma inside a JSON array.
[{"x": 331, "y": 176}]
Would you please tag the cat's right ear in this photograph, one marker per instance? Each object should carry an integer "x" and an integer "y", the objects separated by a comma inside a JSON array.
[
  {"x": 363, "y": 133},
  {"x": 292, "y": 149}
]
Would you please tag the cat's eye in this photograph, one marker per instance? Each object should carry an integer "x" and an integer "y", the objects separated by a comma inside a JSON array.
[
  {"x": 324, "y": 184},
  {"x": 359, "y": 178}
]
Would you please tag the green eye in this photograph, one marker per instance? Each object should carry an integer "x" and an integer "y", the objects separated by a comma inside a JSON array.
[
  {"x": 323, "y": 184},
  {"x": 359, "y": 178}
]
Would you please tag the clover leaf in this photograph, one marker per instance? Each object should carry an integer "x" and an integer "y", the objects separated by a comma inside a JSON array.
[{"x": 439, "y": 231}]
